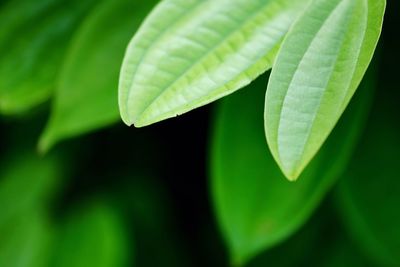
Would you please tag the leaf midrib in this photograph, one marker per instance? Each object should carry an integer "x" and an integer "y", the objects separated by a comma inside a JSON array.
[
  {"x": 204, "y": 56},
  {"x": 149, "y": 48},
  {"x": 297, "y": 67}
]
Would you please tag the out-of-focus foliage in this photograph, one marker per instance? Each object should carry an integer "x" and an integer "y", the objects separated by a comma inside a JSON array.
[
  {"x": 85, "y": 97},
  {"x": 148, "y": 209},
  {"x": 91, "y": 236},
  {"x": 259, "y": 211},
  {"x": 322, "y": 242},
  {"x": 34, "y": 36},
  {"x": 26, "y": 183},
  {"x": 26, "y": 240},
  {"x": 369, "y": 192}
]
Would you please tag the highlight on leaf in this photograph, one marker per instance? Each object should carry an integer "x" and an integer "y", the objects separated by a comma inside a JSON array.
[{"x": 190, "y": 53}]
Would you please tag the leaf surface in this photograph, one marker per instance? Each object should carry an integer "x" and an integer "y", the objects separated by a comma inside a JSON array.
[
  {"x": 257, "y": 208},
  {"x": 318, "y": 68},
  {"x": 190, "y": 53},
  {"x": 87, "y": 93}
]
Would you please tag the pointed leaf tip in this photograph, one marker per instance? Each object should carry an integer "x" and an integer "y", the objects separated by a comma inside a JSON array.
[
  {"x": 255, "y": 205},
  {"x": 190, "y": 53},
  {"x": 315, "y": 75}
]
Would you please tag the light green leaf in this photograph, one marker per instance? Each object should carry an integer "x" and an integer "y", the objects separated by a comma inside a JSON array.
[
  {"x": 190, "y": 53},
  {"x": 369, "y": 193},
  {"x": 26, "y": 183},
  {"x": 93, "y": 236},
  {"x": 33, "y": 38},
  {"x": 255, "y": 206},
  {"x": 86, "y": 97},
  {"x": 25, "y": 242},
  {"x": 318, "y": 68}
]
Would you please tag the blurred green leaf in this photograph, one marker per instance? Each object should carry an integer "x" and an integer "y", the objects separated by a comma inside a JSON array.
[
  {"x": 147, "y": 206},
  {"x": 25, "y": 242},
  {"x": 255, "y": 206},
  {"x": 92, "y": 236},
  {"x": 299, "y": 248},
  {"x": 190, "y": 53},
  {"x": 318, "y": 68},
  {"x": 369, "y": 193},
  {"x": 33, "y": 38},
  {"x": 87, "y": 96},
  {"x": 321, "y": 242},
  {"x": 26, "y": 183}
]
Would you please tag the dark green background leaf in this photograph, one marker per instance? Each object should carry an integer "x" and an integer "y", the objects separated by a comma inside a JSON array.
[
  {"x": 91, "y": 236},
  {"x": 25, "y": 241},
  {"x": 256, "y": 207},
  {"x": 87, "y": 93},
  {"x": 33, "y": 39},
  {"x": 369, "y": 192}
]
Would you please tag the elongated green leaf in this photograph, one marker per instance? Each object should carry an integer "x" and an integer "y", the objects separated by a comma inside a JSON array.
[
  {"x": 33, "y": 38},
  {"x": 25, "y": 242},
  {"x": 319, "y": 66},
  {"x": 86, "y": 97},
  {"x": 26, "y": 183},
  {"x": 92, "y": 237},
  {"x": 255, "y": 206},
  {"x": 369, "y": 193},
  {"x": 190, "y": 53}
]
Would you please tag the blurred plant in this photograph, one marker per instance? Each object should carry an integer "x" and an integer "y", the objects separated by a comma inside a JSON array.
[{"x": 102, "y": 201}]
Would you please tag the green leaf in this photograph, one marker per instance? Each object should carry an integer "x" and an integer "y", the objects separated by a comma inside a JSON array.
[
  {"x": 33, "y": 39},
  {"x": 26, "y": 183},
  {"x": 93, "y": 236},
  {"x": 25, "y": 242},
  {"x": 255, "y": 206},
  {"x": 318, "y": 68},
  {"x": 369, "y": 193},
  {"x": 190, "y": 53},
  {"x": 86, "y": 97}
]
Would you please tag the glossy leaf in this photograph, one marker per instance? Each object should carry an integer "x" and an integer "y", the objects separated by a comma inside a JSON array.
[
  {"x": 86, "y": 97},
  {"x": 255, "y": 206},
  {"x": 25, "y": 242},
  {"x": 369, "y": 192},
  {"x": 190, "y": 53},
  {"x": 33, "y": 38},
  {"x": 318, "y": 68},
  {"x": 94, "y": 236},
  {"x": 26, "y": 183}
]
